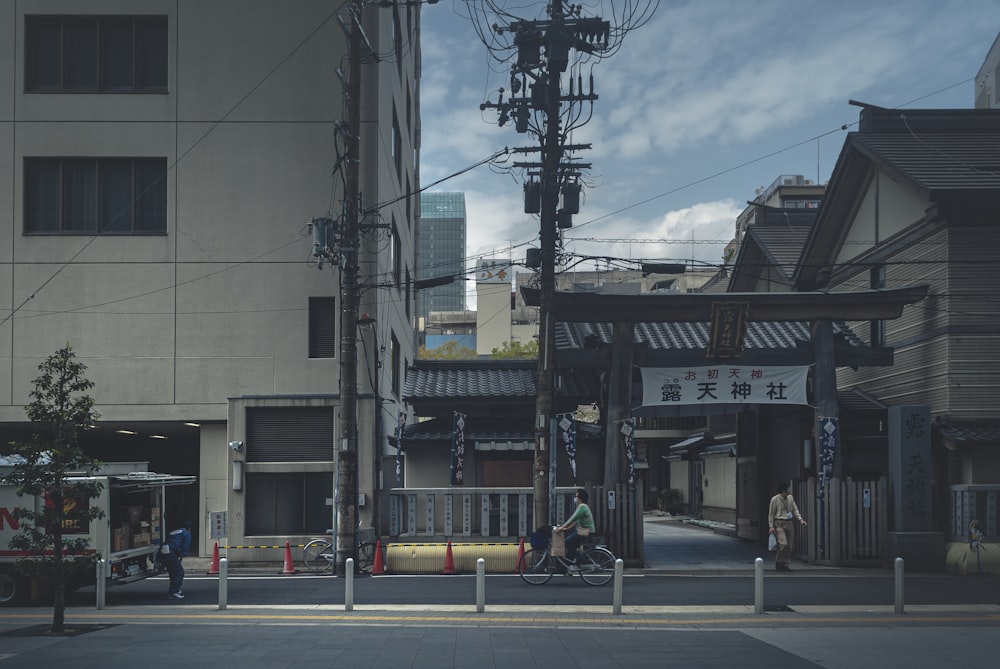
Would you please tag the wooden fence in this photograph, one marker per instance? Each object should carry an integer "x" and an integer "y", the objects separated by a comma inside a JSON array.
[
  {"x": 848, "y": 527},
  {"x": 431, "y": 514}
]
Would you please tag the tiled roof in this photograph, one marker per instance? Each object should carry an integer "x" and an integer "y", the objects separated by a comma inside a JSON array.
[
  {"x": 472, "y": 379},
  {"x": 485, "y": 380},
  {"x": 967, "y": 433},
  {"x": 782, "y": 245},
  {"x": 938, "y": 162},
  {"x": 760, "y": 335}
]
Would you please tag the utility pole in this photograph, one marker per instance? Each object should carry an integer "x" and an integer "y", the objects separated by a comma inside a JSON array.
[
  {"x": 346, "y": 490},
  {"x": 556, "y": 179}
]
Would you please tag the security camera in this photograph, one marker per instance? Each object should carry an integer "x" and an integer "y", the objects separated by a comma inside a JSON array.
[{"x": 236, "y": 445}]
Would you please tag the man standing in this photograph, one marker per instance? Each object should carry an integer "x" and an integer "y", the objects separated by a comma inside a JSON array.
[
  {"x": 781, "y": 517},
  {"x": 171, "y": 555}
]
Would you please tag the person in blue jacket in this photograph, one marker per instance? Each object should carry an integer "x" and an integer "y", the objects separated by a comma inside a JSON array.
[{"x": 172, "y": 555}]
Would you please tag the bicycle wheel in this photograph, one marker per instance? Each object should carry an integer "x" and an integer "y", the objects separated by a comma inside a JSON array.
[
  {"x": 536, "y": 566},
  {"x": 597, "y": 566},
  {"x": 318, "y": 556}
]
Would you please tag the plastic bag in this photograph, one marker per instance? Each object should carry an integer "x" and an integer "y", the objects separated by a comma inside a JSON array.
[{"x": 772, "y": 542}]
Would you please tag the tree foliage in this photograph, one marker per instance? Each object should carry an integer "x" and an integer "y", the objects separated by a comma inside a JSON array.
[
  {"x": 59, "y": 507},
  {"x": 450, "y": 350},
  {"x": 515, "y": 350}
]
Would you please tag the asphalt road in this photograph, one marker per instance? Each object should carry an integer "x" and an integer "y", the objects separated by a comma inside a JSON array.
[{"x": 639, "y": 590}]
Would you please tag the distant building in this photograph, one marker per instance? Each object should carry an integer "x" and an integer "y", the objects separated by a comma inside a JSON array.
[
  {"x": 788, "y": 191},
  {"x": 441, "y": 251},
  {"x": 987, "y": 93}
]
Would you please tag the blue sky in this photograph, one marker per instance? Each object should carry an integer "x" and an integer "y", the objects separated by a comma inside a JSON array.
[{"x": 708, "y": 101}]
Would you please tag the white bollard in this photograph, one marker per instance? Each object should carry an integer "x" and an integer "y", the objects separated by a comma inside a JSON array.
[
  {"x": 480, "y": 585},
  {"x": 223, "y": 583},
  {"x": 101, "y": 585},
  {"x": 616, "y": 606},
  {"x": 349, "y": 584},
  {"x": 758, "y": 586},
  {"x": 898, "y": 565}
]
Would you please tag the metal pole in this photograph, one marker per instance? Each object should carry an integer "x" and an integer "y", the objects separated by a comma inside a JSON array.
[
  {"x": 758, "y": 586},
  {"x": 898, "y": 565},
  {"x": 616, "y": 606},
  {"x": 102, "y": 586},
  {"x": 349, "y": 584},
  {"x": 223, "y": 583},
  {"x": 480, "y": 585}
]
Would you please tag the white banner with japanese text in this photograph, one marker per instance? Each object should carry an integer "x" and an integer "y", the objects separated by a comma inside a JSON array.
[{"x": 723, "y": 384}]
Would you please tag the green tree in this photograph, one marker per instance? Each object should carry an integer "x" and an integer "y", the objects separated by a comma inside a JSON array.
[
  {"x": 61, "y": 410},
  {"x": 515, "y": 350},
  {"x": 450, "y": 350}
]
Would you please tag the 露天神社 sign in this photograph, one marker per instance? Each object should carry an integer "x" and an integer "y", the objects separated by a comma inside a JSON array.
[{"x": 723, "y": 384}]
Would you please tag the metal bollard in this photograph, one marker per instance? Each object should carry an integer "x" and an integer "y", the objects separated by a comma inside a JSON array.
[
  {"x": 616, "y": 606},
  {"x": 349, "y": 584},
  {"x": 758, "y": 586},
  {"x": 223, "y": 583},
  {"x": 101, "y": 585},
  {"x": 898, "y": 567},
  {"x": 480, "y": 585}
]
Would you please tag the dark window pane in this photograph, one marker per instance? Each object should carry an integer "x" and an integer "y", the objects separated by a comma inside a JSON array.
[
  {"x": 318, "y": 515},
  {"x": 151, "y": 53},
  {"x": 41, "y": 195},
  {"x": 80, "y": 54},
  {"x": 79, "y": 192},
  {"x": 151, "y": 195},
  {"x": 42, "y": 53},
  {"x": 322, "y": 327},
  {"x": 116, "y": 54},
  {"x": 116, "y": 195}
]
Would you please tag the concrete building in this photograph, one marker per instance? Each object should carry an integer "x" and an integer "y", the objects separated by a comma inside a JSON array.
[
  {"x": 988, "y": 79},
  {"x": 441, "y": 233},
  {"x": 161, "y": 163}
]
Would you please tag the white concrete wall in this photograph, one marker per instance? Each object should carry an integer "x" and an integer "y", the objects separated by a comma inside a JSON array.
[{"x": 173, "y": 326}]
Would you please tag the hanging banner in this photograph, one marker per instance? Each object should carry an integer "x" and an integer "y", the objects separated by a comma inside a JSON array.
[
  {"x": 723, "y": 384},
  {"x": 628, "y": 429},
  {"x": 827, "y": 451},
  {"x": 458, "y": 450},
  {"x": 399, "y": 449},
  {"x": 567, "y": 428}
]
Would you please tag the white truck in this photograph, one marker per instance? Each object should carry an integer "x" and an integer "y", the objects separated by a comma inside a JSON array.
[{"x": 127, "y": 537}]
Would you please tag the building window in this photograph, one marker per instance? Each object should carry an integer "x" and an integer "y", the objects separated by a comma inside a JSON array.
[
  {"x": 397, "y": 146},
  {"x": 95, "y": 54},
  {"x": 395, "y": 359},
  {"x": 397, "y": 256},
  {"x": 96, "y": 196},
  {"x": 322, "y": 327},
  {"x": 288, "y": 503}
]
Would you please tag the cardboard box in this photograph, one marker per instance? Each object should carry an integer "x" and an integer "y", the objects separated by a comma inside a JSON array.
[{"x": 141, "y": 540}]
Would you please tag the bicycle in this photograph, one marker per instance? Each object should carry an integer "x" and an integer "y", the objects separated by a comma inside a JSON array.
[
  {"x": 319, "y": 556},
  {"x": 594, "y": 563}
]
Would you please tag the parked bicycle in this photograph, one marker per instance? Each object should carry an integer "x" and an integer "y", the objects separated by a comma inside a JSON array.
[
  {"x": 594, "y": 563},
  {"x": 319, "y": 556}
]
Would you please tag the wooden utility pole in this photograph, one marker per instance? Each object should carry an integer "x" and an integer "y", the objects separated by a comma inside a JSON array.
[
  {"x": 346, "y": 489},
  {"x": 551, "y": 158}
]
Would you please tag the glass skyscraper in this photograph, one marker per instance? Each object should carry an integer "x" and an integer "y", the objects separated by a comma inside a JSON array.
[{"x": 441, "y": 251}]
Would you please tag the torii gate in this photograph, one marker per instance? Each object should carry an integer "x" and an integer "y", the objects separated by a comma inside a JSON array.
[{"x": 820, "y": 309}]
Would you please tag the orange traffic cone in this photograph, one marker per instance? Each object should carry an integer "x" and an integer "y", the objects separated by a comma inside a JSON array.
[
  {"x": 289, "y": 565},
  {"x": 378, "y": 569},
  {"x": 449, "y": 561},
  {"x": 520, "y": 554},
  {"x": 214, "y": 567}
]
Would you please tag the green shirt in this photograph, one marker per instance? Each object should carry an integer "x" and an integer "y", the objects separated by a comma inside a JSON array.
[{"x": 582, "y": 517}]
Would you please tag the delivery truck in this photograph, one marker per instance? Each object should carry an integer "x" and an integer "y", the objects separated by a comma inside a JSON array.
[{"x": 127, "y": 537}]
